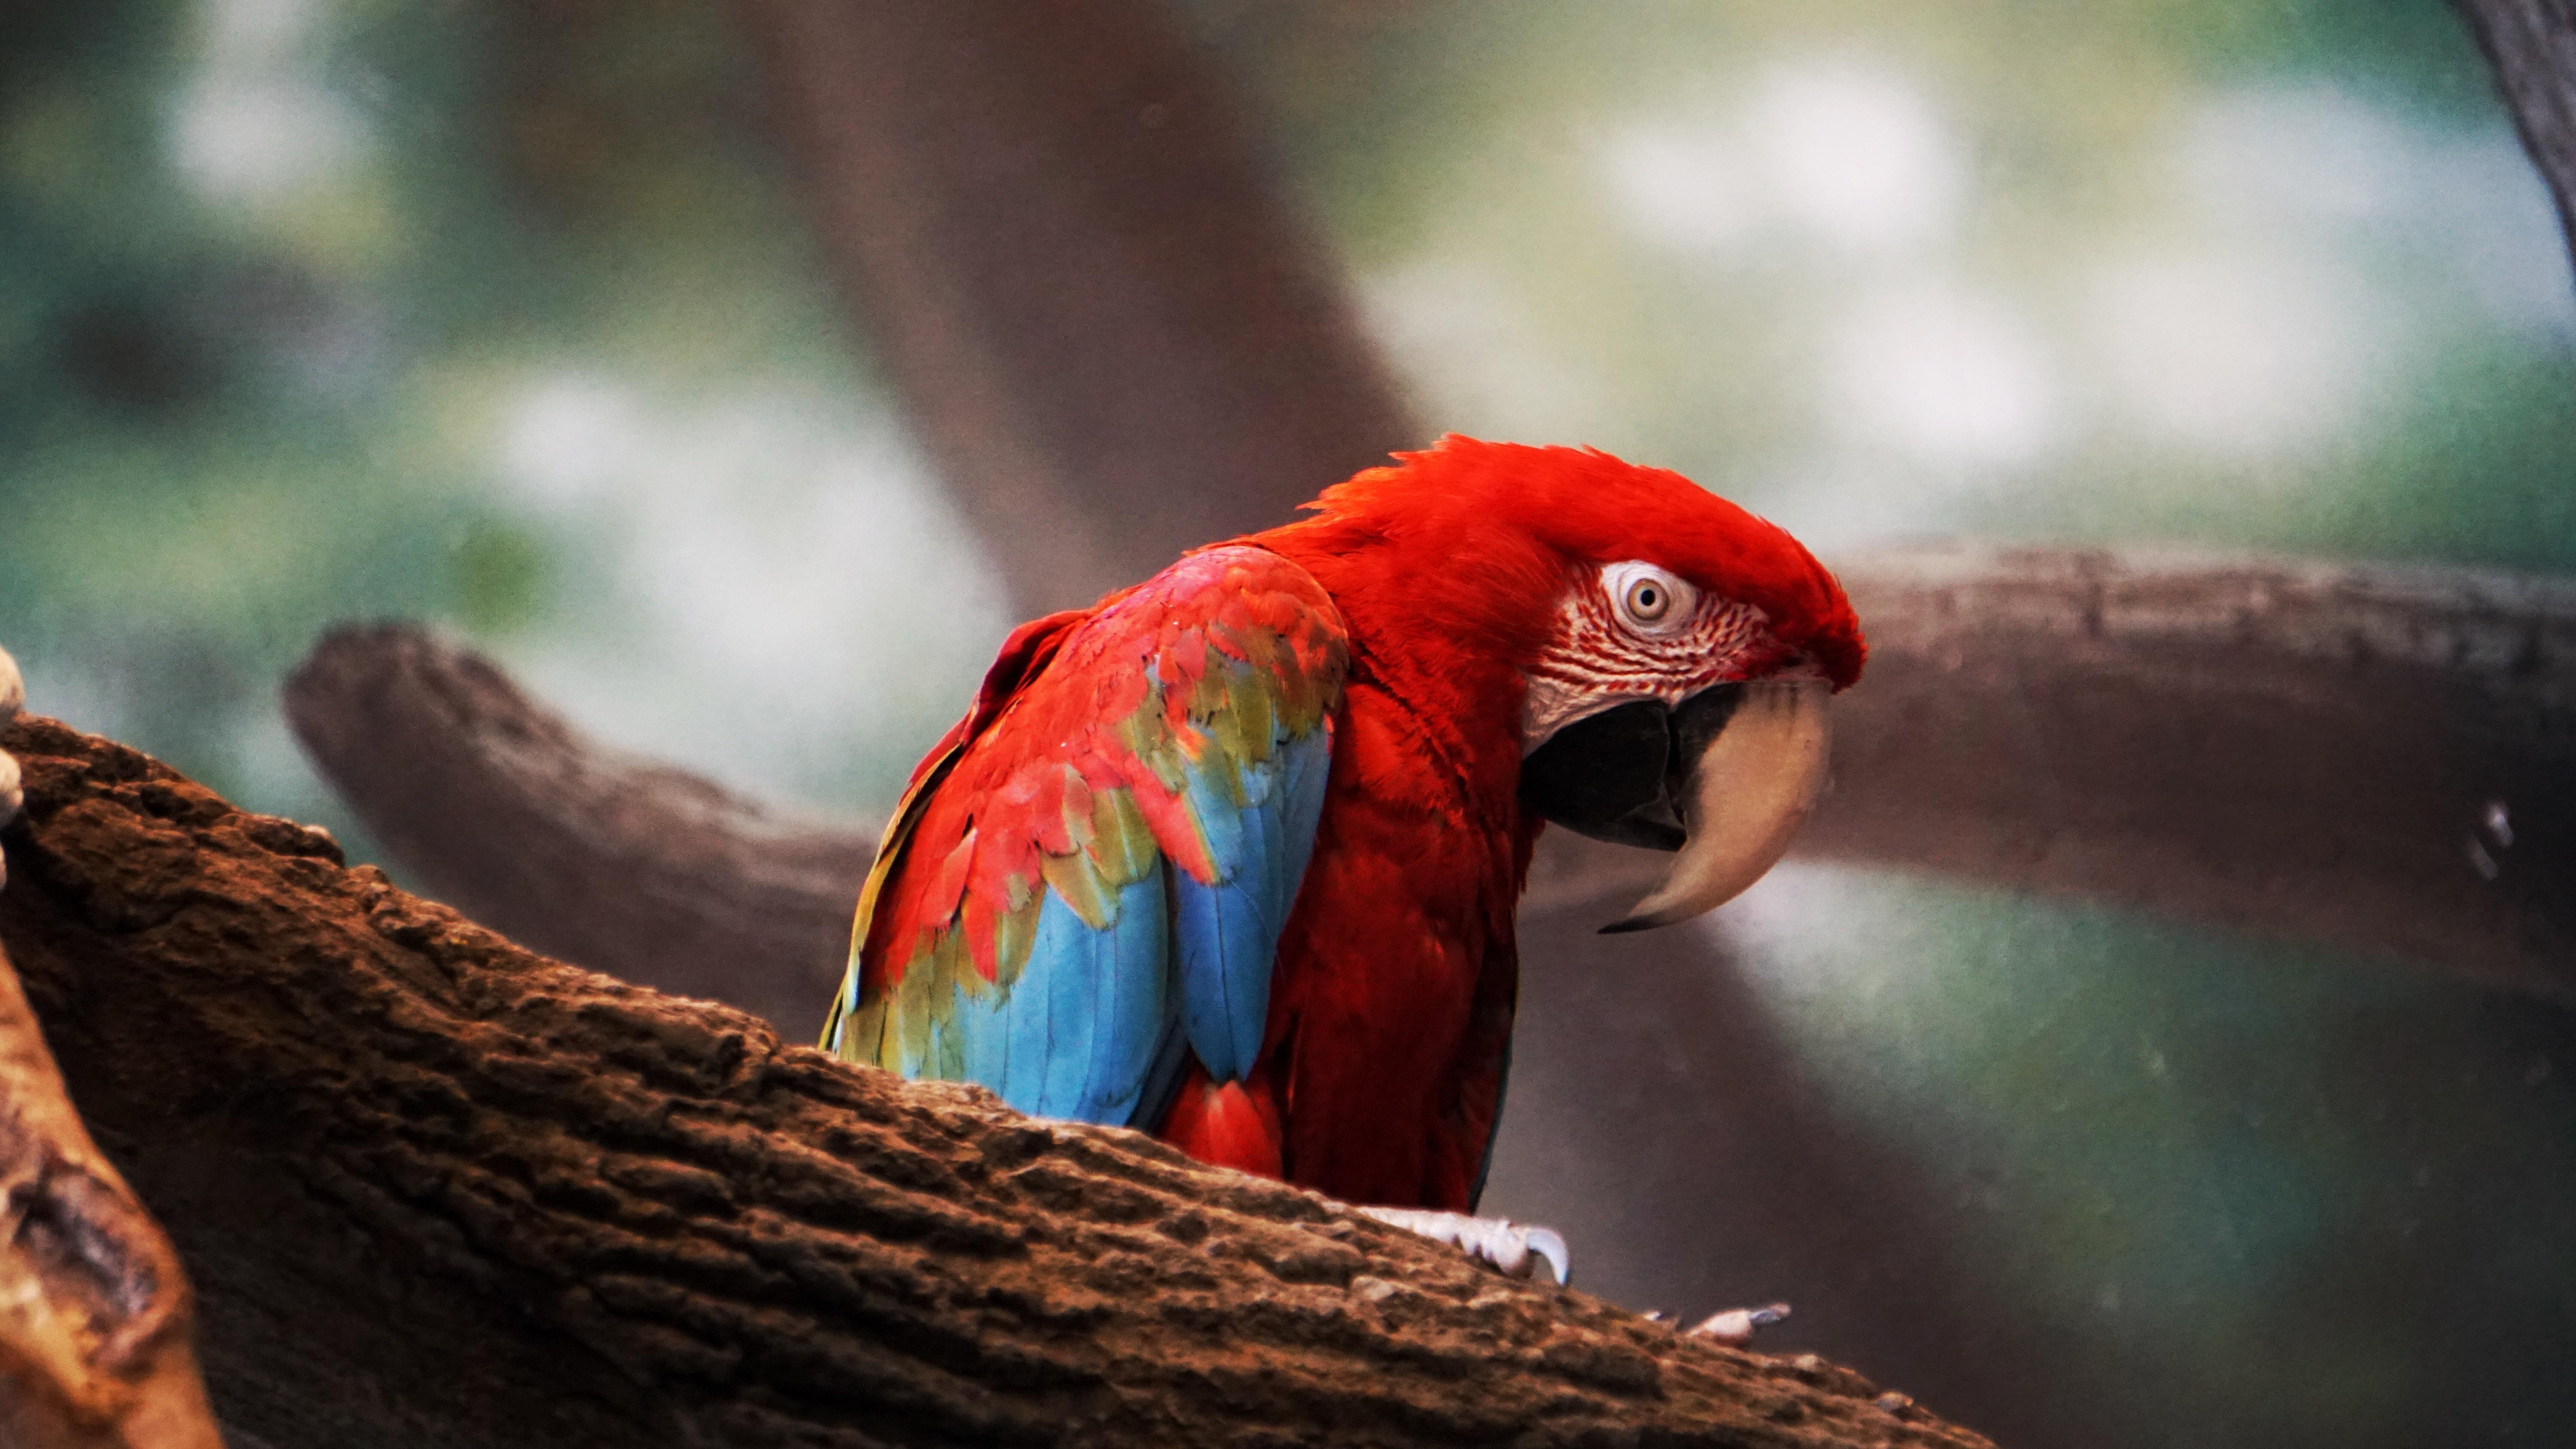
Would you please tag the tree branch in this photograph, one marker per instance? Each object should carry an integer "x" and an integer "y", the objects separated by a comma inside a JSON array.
[
  {"x": 439, "y": 1191},
  {"x": 94, "y": 1312},
  {"x": 2369, "y": 758},
  {"x": 2532, "y": 45},
  {"x": 1112, "y": 338}
]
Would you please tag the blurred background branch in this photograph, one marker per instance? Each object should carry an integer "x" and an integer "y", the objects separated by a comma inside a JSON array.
[
  {"x": 2369, "y": 759},
  {"x": 2532, "y": 45},
  {"x": 1109, "y": 332},
  {"x": 590, "y": 855},
  {"x": 2364, "y": 759}
]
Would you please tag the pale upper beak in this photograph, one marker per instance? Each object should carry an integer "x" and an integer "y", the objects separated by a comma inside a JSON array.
[{"x": 1724, "y": 778}]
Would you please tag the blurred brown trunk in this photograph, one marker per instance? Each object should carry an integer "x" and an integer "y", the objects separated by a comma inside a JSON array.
[
  {"x": 2532, "y": 45},
  {"x": 1109, "y": 333}
]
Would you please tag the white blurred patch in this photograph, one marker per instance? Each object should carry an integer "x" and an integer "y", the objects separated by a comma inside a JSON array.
[
  {"x": 1839, "y": 151},
  {"x": 258, "y": 120},
  {"x": 1843, "y": 500},
  {"x": 2502, "y": 232},
  {"x": 1945, "y": 374},
  {"x": 250, "y": 34},
  {"x": 778, "y": 581},
  {"x": 1491, "y": 369},
  {"x": 1857, "y": 154},
  {"x": 2241, "y": 355},
  {"x": 2310, "y": 149},
  {"x": 570, "y": 437},
  {"x": 2309, "y": 251},
  {"x": 2334, "y": 242},
  {"x": 1685, "y": 189},
  {"x": 250, "y": 141},
  {"x": 1840, "y": 963},
  {"x": 2316, "y": 159}
]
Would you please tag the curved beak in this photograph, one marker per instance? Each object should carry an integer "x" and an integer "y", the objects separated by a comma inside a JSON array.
[{"x": 1724, "y": 778}]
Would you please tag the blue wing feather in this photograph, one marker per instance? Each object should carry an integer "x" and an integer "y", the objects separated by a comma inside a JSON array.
[
  {"x": 1134, "y": 1005},
  {"x": 1075, "y": 1035},
  {"x": 1227, "y": 934},
  {"x": 1141, "y": 967}
]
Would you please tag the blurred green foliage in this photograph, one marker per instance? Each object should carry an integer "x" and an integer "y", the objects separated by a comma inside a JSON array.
[{"x": 500, "y": 578}]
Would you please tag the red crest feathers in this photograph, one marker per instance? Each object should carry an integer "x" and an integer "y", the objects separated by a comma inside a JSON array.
[{"x": 1499, "y": 523}]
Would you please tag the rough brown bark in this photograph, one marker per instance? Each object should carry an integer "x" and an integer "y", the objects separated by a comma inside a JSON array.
[
  {"x": 2532, "y": 45},
  {"x": 1111, "y": 337},
  {"x": 440, "y": 1191},
  {"x": 2309, "y": 752},
  {"x": 94, "y": 1312}
]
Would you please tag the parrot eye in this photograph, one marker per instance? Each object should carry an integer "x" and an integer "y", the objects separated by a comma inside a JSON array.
[{"x": 1650, "y": 600}]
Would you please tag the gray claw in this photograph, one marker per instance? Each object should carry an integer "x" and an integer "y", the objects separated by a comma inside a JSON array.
[{"x": 1736, "y": 1326}]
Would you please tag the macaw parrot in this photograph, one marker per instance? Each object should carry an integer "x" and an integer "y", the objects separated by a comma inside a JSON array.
[{"x": 1231, "y": 856}]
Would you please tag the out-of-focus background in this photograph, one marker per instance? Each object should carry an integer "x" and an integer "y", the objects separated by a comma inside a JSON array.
[{"x": 511, "y": 317}]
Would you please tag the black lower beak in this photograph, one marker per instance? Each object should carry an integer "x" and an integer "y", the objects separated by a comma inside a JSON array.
[{"x": 1621, "y": 775}]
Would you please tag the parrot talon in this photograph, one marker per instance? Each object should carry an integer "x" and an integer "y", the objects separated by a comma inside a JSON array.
[
  {"x": 1512, "y": 1249},
  {"x": 13, "y": 694},
  {"x": 1735, "y": 1327}
]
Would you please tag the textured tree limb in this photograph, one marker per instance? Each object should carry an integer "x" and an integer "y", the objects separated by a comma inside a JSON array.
[
  {"x": 2532, "y": 46},
  {"x": 439, "y": 1191},
  {"x": 94, "y": 1311},
  {"x": 1112, "y": 338},
  {"x": 2302, "y": 751}
]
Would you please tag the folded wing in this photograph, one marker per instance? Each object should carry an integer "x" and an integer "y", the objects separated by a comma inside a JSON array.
[{"x": 1089, "y": 877}]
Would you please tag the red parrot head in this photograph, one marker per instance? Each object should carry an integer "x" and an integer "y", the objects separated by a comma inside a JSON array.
[{"x": 1666, "y": 656}]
